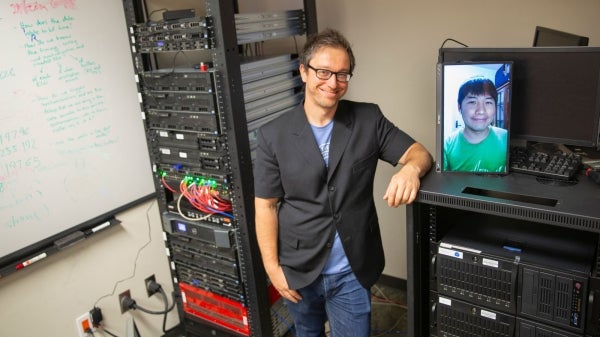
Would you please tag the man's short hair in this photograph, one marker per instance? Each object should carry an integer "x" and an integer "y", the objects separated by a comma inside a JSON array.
[
  {"x": 477, "y": 86},
  {"x": 326, "y": 38}
]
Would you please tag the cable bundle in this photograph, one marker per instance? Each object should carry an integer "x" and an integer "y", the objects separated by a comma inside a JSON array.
[{"x": 201, "y": 194}]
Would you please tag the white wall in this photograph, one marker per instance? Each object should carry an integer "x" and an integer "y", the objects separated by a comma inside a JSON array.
[{"x": 396, "y": 44}]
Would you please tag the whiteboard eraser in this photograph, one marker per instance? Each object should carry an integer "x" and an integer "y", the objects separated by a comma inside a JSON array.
[{"x": 69, "y": 240}]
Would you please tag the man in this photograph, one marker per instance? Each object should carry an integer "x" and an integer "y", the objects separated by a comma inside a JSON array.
[
  {"x": 478, "y": 146},
  {"x": 316, "y": 224}
]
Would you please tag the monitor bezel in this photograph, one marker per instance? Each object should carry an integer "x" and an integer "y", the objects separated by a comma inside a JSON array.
[
  {"x": 576, "y": 40},
  {"x": 441, "y": 113}
]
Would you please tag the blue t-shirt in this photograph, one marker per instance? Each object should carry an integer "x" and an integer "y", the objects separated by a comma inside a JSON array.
[{"x": 337, "y": 262}]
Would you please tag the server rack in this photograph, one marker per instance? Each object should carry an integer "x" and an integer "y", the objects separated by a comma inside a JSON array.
[
  {"x": 503, "y": 256},
  {"x": 199, "y": 137}
]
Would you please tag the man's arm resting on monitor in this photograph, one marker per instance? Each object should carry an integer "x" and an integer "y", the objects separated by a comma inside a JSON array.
[{"x": 404, "y": 185}]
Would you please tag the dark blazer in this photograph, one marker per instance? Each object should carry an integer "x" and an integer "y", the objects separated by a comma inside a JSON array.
[{"x": 315, "y": 200}]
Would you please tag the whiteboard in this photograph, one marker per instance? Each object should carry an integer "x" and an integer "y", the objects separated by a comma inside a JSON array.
[{"x": 72, "y": 140}]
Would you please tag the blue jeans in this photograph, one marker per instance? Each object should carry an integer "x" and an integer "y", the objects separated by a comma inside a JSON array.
[{"x": 337, "y": 297}]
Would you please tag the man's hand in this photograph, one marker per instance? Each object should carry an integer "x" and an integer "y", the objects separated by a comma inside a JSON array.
[
  {"x": 280, "y": 283},
  {"x": 404, "y": 185},
  {"x": 267, "y": 229}
]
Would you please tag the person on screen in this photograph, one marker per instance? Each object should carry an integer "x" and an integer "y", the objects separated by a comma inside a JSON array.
[{"x": 478, "y": 146}]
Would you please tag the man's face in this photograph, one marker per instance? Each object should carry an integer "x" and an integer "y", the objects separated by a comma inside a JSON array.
[
  {"x": 478, "y": 111},
  {"x": 325, "y": 93}
]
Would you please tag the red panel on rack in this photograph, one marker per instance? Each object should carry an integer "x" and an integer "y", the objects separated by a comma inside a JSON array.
[
  {"x": 274, "y": 295},
  {"x": 214, "y": 308}
]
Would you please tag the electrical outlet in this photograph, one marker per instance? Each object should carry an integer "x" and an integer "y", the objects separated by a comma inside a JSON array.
[
  {"x": 147, "y": 282},
  {"x": 122, "y": 295},
  {"x": 84, "y": 322}
]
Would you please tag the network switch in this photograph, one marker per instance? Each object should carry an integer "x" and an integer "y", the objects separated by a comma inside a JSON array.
[
  {"x": 188, "y": 140},
  {"x": 180, "y": 101},
  {"x": 171, "y": 120},
  {"x": 178, "y": 79},
  {"x": 270, "y": 86},
  {"x": 263, "y": 68}
]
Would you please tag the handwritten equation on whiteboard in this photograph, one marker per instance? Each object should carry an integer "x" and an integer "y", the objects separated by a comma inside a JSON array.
[
  {"x": 32, "y": 83},
  {"x": 69, "y": 112}
]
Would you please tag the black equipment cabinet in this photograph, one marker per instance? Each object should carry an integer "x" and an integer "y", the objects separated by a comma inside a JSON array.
[
  {"x": 198, "y": 137},
  {"x": 503, "y": 256}
]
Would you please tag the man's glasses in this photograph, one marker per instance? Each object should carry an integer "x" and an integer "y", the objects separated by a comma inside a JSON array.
[{"x": 324, "y": 74}]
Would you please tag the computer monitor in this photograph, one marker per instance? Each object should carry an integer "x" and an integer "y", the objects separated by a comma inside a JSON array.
[
  {"x": 556, "y": 91},
  {"x": 548, "y": 37},
  {"x": 473, "y": 106}
]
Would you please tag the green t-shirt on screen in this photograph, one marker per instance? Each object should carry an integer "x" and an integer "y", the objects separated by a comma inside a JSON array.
[{"x": 487, "y": 156}]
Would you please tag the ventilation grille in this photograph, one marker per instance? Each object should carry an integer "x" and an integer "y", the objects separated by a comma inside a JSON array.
[
  {"x": 536, "y": 329},
  {"x": 432, "y": 223},
  {"x": 562, "y": 306},
  {"x": 516, "y": 211},
  {"x": 453, "y": 322},
  {"x": 489, "y": 286},
  {"x": 546, "y": 295}
]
